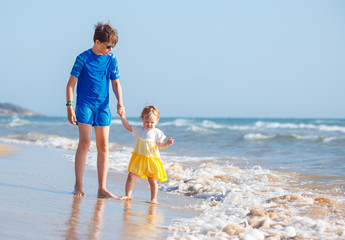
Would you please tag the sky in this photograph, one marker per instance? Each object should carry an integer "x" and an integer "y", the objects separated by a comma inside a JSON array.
[{"x": 191, "y": 58}]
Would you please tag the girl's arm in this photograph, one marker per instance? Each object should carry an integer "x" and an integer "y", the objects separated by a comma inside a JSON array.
[
  {"x": 125, "y": 123},
  {"x": 168, "y": 142}
]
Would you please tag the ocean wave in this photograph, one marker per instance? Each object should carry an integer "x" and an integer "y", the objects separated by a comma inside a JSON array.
[
  {"x": 133, "y": 123},
  {"x": 44, "y": 140},
  {"x": 277, "y": 125},
  {"x": 317, "y": 138},
  {"x": 242, "y": 203},
  {"x": 118, "y": 155},
  {"x": 16, "y": 122},
  {"x": 272, "y": 125},
  {"x": 211, "y": 124},
  {"x": 258, "y": 137},
  {"x": 205, "y": 125},
  {"x": 214, "y": 125},
  {"x": 116, "y": 122},
  {"x": 308, "y": 137},
  {"x": 189, "y": 159},
  {"x": 52, "y": 141},
  {"x": 331, "y": 139},
  {"x": 201, "y": 130},
  {"x": 180, "y": 122}
]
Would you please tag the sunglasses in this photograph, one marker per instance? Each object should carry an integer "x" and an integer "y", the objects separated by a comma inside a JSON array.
[{"x": 109, "y": 46}]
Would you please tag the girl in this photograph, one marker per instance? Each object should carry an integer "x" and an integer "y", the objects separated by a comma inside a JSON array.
[{"x": 146, "y": 161}]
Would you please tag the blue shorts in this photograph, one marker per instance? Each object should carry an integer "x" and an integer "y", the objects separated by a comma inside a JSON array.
[{"x": 97, "y": 117}]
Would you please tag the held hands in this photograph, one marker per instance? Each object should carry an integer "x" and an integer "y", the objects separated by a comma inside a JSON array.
[{"x": 120, "y": 110}]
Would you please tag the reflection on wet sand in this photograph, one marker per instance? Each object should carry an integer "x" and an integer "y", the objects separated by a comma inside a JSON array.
[
  {"x": 140, "y": 225},
  {"x": 5, "y": 149},
  {"x": 138, "y": 220},
  {"x": 74, "y": 223},
  {"x": 97, "y": 220}
]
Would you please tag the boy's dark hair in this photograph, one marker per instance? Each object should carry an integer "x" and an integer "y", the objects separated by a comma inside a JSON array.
[{"x": 105, "y": 33}]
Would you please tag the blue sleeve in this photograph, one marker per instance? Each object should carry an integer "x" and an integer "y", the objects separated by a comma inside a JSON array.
[
  {"x": 78, "y": 65},
  {"x": 115, "y": 74}
]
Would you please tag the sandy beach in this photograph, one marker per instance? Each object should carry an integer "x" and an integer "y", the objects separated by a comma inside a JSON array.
[
  {"x": 37, "y": 203},
  {"x": 245, "y": 179}
]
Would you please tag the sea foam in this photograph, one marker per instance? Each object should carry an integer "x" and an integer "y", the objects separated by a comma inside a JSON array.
[{"x": 252, "y": 204}]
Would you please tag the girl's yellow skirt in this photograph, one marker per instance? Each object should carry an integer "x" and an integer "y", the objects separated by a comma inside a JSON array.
[
  {"x": 146, "y": 161},
  {"x": 145, "y": 167}
]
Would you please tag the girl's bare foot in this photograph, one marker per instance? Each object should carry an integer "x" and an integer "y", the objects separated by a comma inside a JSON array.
[
  {"x": 126, "y": 198},
  {"x": 152, "y": 202},
  {"x": 105, "y": 194},
  {"x": 78, "y": 192}
]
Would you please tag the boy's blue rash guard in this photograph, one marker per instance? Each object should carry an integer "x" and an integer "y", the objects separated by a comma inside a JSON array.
[{"x": 94, "y": 73}]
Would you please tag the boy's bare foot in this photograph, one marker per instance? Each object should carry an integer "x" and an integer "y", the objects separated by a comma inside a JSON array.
[
  {"x": 152, "y": 202},
  {"x": 126, "y": 198},
  {"x": 78, "y": 192},
  {"x": 105, "y": 194}
]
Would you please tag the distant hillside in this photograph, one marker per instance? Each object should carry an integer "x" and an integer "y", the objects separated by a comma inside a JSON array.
[{"x": 8, "y": 109}]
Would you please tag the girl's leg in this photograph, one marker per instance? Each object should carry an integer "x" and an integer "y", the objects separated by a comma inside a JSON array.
[
  {"x": 129, "y": 186},
  {"x": 102, "y": 138},
  {"x": 154, "y": 189},
  {"x": 80, "y": 157}
]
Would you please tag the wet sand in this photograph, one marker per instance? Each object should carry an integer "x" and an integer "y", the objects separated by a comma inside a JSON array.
[
  {"x": 37, "y": 202},
  {"x": 6, "y": 149}
]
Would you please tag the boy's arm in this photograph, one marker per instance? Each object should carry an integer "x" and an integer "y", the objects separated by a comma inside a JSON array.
[
  {"x": 125, "y": 123},
  {"x": 69, "y": 97},
  {"x": 117, "y": 89},
  {"x": 168, "y": 142}
]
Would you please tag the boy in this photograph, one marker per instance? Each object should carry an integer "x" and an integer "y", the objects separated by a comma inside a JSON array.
[{"x": 93, "y": 70}]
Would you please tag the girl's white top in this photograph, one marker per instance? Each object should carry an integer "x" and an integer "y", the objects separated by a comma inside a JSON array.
[{"x": 155, "y": 135}]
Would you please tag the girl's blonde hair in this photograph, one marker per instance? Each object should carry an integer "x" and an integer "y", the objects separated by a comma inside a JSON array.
[{"x": 148, "y": 110}]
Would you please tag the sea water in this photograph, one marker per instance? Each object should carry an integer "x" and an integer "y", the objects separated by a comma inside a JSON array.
[{"x": 258, "y": 178}]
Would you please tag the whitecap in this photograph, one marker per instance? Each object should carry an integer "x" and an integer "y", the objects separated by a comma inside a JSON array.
[
  {"x": 16, "y": 122},
  {"x": 202, "y": 130},
  {"x": 330, "y": 139},
  {"x": 178, "y": 123},
  {"x": 257, "y": 136},
  {"x": 309, "y": 137},
  {"x": 274, "y": 125},
  {"x": 211, "y": 124},
  {"x": 119, "y": 122}
]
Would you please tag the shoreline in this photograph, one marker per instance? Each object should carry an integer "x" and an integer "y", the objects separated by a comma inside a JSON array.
[{"x": 36, "y": 184}]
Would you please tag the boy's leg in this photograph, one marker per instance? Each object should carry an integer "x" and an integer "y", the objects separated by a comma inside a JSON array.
[
  {"x": 80, "y": 157},
  {"x": 154, "y": 189},
  {"x": 129, "y": 186},
  {"x": 102, "y": 140}
]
